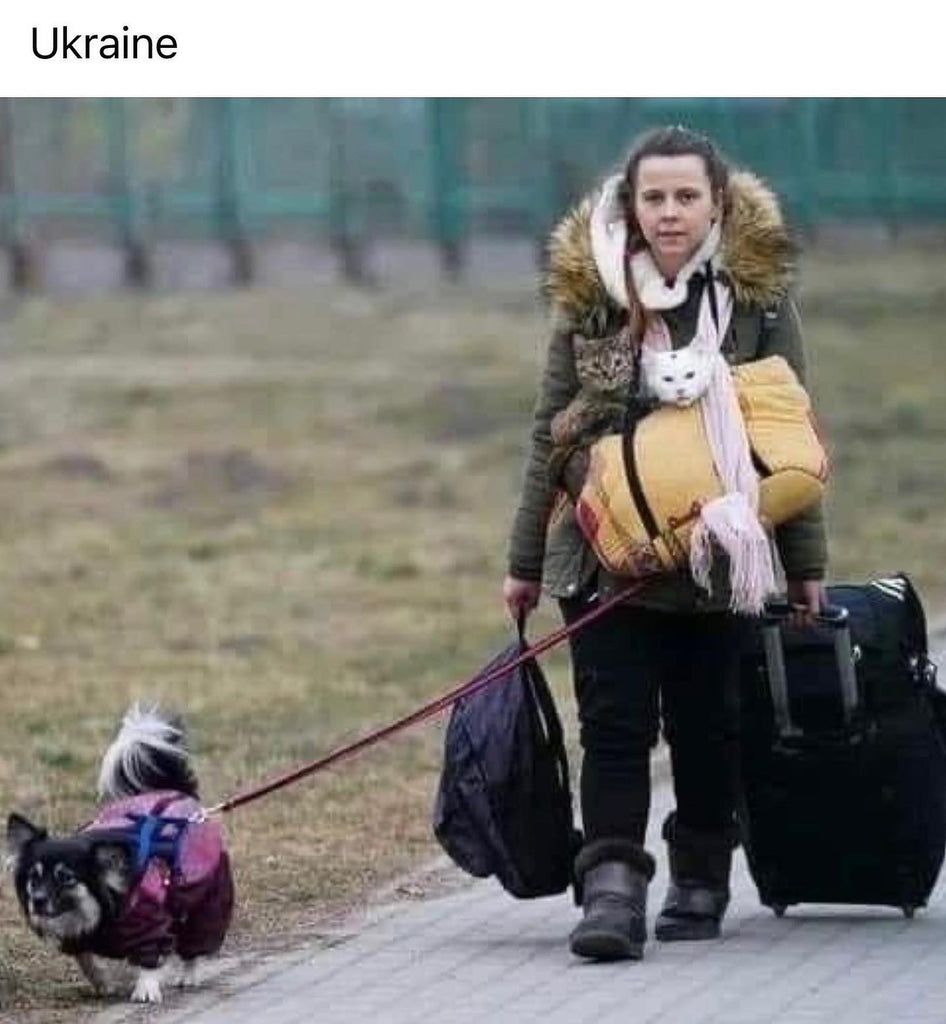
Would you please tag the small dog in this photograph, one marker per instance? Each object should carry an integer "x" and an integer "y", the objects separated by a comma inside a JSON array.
[{"x": 147, "y": 878}]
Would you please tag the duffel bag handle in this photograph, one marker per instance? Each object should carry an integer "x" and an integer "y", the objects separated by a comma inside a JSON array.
[
  {"x": 830, "y": 614},
  {"x": 833, "y": 617}
]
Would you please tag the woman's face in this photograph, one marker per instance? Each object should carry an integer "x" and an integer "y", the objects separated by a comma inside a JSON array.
[{"x": 675, "y": 207}]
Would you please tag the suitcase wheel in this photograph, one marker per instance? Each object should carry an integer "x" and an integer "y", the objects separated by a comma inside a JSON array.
[
  {"x": 908, "y": 912},
  {"x": 779, "y": 909}
]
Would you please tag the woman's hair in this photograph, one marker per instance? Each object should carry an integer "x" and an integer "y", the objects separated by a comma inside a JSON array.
[{"x": 674, "y": 140}]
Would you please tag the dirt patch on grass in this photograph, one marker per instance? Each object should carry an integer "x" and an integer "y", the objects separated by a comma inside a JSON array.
[
  {"x": 285, "y": 515},
  {"x": 212, "y": 479},
  {"x": 78, "y": 465}
]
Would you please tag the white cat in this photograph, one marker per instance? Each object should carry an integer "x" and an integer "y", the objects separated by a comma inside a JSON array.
[{"x": 679, "y": 377}]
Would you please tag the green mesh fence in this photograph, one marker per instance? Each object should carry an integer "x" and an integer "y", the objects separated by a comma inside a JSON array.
[{"x": 437, "y": 169}]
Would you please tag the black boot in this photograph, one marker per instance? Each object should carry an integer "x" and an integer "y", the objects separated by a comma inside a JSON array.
[
  {"x": 699, "y": 882},
  {"x": 613, "y": 876}
]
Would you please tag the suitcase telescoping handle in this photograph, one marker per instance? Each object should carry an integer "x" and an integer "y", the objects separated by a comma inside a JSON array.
[{"x": 833, "y": 617}]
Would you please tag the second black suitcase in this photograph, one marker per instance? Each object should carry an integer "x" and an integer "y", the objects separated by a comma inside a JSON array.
[{"x": 843, "y": 761}]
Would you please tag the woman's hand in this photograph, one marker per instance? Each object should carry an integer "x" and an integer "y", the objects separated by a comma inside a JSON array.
[
  {"x": 520, "y": 596},
  {"x": 807, "y": 598}
]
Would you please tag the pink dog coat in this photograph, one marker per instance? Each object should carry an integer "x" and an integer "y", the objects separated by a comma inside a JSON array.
[{"x": 181, "y": 899}]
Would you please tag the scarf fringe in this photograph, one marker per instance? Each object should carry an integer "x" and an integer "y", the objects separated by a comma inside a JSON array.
[{"x": 730, "y": 522}]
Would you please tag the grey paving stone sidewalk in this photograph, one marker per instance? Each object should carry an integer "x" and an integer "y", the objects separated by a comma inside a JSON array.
[{"x": 477, "y": 955}]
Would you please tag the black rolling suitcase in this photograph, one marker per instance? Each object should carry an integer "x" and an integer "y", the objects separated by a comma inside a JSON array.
[{"x": 843, "y": 754}]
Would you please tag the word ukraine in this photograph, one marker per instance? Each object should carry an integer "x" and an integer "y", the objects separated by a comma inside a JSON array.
[{"x": 106, "y": 47}]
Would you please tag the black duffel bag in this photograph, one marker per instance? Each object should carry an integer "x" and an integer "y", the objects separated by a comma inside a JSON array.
[{"x": 504, "y": 803}]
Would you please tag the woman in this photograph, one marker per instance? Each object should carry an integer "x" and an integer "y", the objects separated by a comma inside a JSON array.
[{"x": 645, "y": 246}]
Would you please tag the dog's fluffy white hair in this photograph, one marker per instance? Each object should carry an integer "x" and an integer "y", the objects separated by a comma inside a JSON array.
[{"x": 148, "y": 754}]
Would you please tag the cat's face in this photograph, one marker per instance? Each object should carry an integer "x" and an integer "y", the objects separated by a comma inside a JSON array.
[
  {"x": 677, "y": 378},
  {"x": 604, "y": 364}
]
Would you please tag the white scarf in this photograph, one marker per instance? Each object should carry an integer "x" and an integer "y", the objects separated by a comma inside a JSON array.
[{"x": 732, "y": 520}]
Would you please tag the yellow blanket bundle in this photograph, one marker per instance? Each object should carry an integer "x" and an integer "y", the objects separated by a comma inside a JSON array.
[{"x": 643, "y": 491}]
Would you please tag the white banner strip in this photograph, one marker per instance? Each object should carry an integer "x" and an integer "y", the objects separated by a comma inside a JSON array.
[{"x": 481, "y": 48}]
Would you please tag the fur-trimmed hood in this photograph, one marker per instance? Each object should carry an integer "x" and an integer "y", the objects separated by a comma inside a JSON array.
[{"x": 584, "y": 279}]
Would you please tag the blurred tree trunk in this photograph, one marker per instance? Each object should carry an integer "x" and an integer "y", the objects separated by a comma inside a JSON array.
[{"x": 23, "y": 270}]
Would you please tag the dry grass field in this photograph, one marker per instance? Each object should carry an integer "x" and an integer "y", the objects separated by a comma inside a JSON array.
[{"x": 284, "y": 513}]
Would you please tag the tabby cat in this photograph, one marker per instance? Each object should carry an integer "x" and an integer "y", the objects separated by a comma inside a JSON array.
[{"x": 607, "y": 371}]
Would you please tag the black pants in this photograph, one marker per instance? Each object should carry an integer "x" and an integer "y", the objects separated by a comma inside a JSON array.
[{"x": 632, "y": 668}]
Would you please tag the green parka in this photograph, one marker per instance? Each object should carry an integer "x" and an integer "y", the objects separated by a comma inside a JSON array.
[{"x": 546, "y": 543}]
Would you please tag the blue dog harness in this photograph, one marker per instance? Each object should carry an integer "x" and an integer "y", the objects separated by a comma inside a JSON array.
[{"x": 156, "y": 835}]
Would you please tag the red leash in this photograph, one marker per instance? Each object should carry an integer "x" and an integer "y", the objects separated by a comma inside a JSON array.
[{"x": 426, "y": 711}]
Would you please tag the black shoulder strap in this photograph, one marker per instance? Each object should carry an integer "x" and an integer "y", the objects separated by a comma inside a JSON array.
[
  {"x": 550, "y": 719},
  {"x": 708, "y": 284}
]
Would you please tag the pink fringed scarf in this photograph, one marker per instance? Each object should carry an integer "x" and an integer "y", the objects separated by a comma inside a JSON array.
[{"x": 731, "y": 521}]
